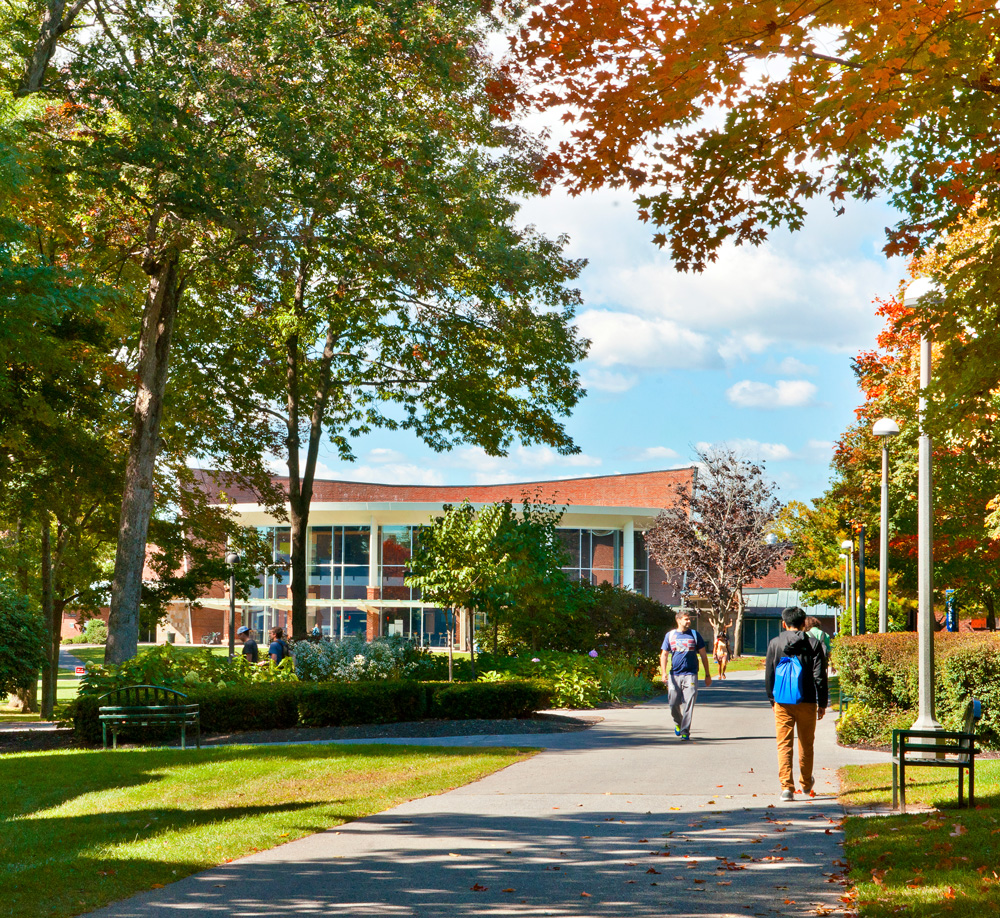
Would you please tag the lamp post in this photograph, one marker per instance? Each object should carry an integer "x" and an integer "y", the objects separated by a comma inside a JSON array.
[
  {"x": 843, "y": 558},
  {"x": 862, "y": 601},
  {"x": 232, "y": 559},
  {"x": 915, "y": 292},
  {"x": 848, "y": 546},
  {"x": 884, "y": 428}
]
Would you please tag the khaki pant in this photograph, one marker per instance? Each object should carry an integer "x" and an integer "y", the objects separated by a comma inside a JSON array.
[{"x": 787, "y": 719}]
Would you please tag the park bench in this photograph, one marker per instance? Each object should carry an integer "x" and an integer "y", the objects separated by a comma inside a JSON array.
[
  {"x": 147, "y": 706},
  {"x": 936, "y": 749}
]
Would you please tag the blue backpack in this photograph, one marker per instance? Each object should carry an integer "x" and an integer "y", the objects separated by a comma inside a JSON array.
[{"x": 788, "y": 681}]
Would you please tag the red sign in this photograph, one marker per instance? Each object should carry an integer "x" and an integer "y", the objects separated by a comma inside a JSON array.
[{"x": 81, "y": 670}]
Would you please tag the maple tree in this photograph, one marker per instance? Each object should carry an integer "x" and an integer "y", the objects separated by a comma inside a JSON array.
[
  {"x": 727, "y": 119},
  {"x": 713, "y": 539}
]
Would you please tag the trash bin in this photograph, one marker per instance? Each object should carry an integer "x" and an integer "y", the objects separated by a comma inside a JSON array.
[{"x": 171, "y": 637}]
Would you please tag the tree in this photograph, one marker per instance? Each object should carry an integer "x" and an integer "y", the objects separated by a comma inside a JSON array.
[
  {"x": 729, "y": 117},
  {"x": 22, "y": 641},
  {"x": 400, "y": 292},
  {"x": 713, "y": 540},
  {"x": 497, "y": 561}
]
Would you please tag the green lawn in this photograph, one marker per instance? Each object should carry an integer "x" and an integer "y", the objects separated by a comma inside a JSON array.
[
  {"x": 81, "y": 829},
  {"x": 942, "y": 863},
  {"x": 742, "y": 664}
]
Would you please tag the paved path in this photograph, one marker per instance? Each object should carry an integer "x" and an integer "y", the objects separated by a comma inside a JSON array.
[{"x": 619, "y": 820}]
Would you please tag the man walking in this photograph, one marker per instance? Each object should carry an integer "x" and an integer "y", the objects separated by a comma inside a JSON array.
[
  {"x": 795, "y": 677},
  {"x": 684, "y": 645}
]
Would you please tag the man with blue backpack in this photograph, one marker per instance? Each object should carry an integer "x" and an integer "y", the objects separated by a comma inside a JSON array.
[{"x": 795, "y": 677}]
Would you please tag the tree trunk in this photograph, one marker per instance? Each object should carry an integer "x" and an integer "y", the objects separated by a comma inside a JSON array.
[
  {"x": 991, "y": 617},
  {"x": 27, "y": 699},
  {"x": 300, "y": 480},
  {"x": 55, "y": 21},
  {"x": 50, "y": 672},
  {"x": 472, "y": 640},
  {"x": 162, "y": 300},
  {"x": 738, "y": 627}
]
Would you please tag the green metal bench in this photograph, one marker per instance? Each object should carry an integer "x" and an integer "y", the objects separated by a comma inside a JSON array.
[
  {"x": 147, "y": 706},
  {"x": 936, "y": 749}
]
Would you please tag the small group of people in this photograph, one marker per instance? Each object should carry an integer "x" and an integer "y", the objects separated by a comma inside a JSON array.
[
  {"x": 795, "y": 679},
  {"x": 277, "y": 650}
]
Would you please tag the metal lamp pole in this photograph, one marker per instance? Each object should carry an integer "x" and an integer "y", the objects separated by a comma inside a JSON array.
[
  {"x": 844, "y": 559},
  {"x": 232, "y": 559},
  {"x": 926, "y": 720},
  {"x": 848, "y": 546},
  {"x": 884, "y": 428}
]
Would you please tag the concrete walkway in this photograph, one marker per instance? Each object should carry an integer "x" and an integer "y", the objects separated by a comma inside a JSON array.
[{"x": 620, "y": 820}]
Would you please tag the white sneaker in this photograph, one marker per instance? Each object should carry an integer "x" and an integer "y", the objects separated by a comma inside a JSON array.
[{"x": 787, "y": 795}]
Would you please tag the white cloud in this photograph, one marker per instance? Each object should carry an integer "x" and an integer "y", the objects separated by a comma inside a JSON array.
[
  {"x": 386, "y": 473},
  {"x": 380, "y": 455},
  {"x": 753, "y": 449},
  {"x": 787, "y": 393},
  {"x": 622, "y": 338},
  {"x": 607, "y": 380},
  {"x": 653, "y": 453},
  {"x": 792, "y": 366}
]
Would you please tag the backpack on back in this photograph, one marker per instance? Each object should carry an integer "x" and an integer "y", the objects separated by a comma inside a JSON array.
[{"x": 788, "y": 681}]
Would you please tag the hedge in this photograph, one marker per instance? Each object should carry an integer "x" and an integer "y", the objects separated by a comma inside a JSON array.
[
  {"x": 275, "y": 706},
  {"x": 879, "y": 673}
]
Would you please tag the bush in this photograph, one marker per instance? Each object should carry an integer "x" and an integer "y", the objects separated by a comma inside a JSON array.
[
  {"x": 491, "y": 700},
  {"x": 879, "y": 672},
  {"x": 95, "y": 631},
  {"x": 276, "y": 706},
  {"x": 575, "y": 680},
  {"x": 628, "y": 627},
  {"x": 356, "y": 660},
  {"x": 184, "y": 672},
  {"x": 23, "y": 641}
]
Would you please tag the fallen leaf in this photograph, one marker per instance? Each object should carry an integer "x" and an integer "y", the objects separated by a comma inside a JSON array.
[
  {"x": 724, "y": 883},
  {"x": 156, "y": 886},
  {"x": 652, "y": 870},
  {"x": 958, "y": 830},
  {"x": 586, "y": 896},
  {"x": 506, "y": 890},
  {"x": 476, "y": 887},
  {"x": 949, "y": 893}
]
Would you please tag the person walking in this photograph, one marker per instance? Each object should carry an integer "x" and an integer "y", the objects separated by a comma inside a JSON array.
[
  {"x": 250, "y": 649},
  {"x": 795, "y": 678},
  {"x": 684, "y": 646},
  {"x": 721, "y": 651},
  {"x": 278, "y": 648}
]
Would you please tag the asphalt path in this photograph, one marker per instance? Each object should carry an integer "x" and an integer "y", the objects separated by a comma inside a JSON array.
[{"x": 623, "y": 819}]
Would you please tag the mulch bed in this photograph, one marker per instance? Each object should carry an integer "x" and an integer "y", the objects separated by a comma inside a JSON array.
[{"x": 45, "y": 741}]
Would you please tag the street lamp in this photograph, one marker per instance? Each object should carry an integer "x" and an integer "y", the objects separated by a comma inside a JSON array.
[
  {"x": 848, "y": 546},
  {"x": 917, "y": 291},
  {"x": 884, "y": 428},
  {"x": 232, "y": 559},
  {"x": 844, "y": 559}
]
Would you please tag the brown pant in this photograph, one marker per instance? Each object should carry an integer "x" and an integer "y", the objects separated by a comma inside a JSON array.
[{"x": 788, "y": 718}]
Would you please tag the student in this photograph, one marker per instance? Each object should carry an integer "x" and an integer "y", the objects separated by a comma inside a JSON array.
[
  {"x": 721, "y": 652},
  {"x": 279, "y": 648},
  {"x": 684, "y": 646},
  {"x": 250, "y": 650},
  {"x": 798, "y": 695}
]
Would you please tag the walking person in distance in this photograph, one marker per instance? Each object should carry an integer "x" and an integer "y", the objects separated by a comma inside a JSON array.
[
  {"x": 795, "y": 677},
  {"x": 684, "y": 645}
]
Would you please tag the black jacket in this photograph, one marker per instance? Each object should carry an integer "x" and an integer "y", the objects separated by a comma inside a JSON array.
[{"x": 811, "y": 654}]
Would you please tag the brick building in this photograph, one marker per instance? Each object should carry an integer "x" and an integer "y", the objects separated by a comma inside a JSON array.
[{"x": 362, "y": 534}]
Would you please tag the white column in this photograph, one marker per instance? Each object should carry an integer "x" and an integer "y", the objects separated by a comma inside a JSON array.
[
  {"x": 883, "y": 551},
  {"x": 373, "y": 547},
  {"x": 925, "y": 558},
  {"x": 628, "y": 556}
]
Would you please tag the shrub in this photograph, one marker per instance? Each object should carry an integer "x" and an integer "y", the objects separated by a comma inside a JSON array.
[
  {"x": 879, "y": 671},
  {"x": 356, "y": 660},
  {"x": 184, "y": 672},
  {"x": 22, "y": 641},
  {"x": 275, "y": 706},
  {"x": 627, "y": 626},
  {"x": 95, "y": 631},
  {"x": 339, "y": 704},
  {"x": 863, "y": 725},
  {"x": 492, "y": 700}
]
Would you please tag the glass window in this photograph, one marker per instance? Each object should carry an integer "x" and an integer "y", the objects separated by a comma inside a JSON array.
[
  {"x": 354, "y": 621},
  {"x": 355, "y": 545},
  {"x": 320, "y": 546}
]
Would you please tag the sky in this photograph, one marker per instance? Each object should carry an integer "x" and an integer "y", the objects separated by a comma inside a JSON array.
[{"x": 754, "y": 353}]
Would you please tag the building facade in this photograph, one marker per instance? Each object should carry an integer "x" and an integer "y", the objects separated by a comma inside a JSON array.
[{"x": 361, "y": 537}]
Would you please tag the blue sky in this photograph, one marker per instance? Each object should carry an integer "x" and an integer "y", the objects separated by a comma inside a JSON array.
[{"x": 754, "y": 353}]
